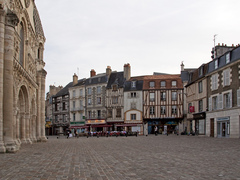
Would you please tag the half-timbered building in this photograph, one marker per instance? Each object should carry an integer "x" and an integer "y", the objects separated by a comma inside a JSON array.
[{"x": 163, "y": 102}]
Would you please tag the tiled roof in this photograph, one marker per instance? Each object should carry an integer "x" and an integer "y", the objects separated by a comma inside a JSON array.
[{"x": 158, "y": 78}]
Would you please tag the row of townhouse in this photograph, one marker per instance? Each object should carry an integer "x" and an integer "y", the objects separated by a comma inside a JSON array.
[
  {"x": 115, "y": 101},
  {"x": 212, "y": 95}
]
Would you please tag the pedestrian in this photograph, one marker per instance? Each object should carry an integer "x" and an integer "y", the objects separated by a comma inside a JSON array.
[
  {"x": 67, "y": 134},
  {"x": 156, "y": 130}
]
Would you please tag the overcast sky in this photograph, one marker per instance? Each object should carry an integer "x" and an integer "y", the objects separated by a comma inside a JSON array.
[{"x": 151, "y": 35}]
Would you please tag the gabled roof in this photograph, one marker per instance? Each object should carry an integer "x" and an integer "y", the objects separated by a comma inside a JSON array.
[{"x": 116, "y": 78}]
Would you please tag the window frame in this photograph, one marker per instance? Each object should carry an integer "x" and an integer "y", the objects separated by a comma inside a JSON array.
[
  {"x": 152, "y": 84},
  {"x": 174, "y": 82}
]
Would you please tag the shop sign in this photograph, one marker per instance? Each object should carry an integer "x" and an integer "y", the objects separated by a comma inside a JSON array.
[
  {"x": 223, "y": 119},
  {"x": 95, "y": 122},
  {"x": 171, "y": 123},
  {"x": 75, "y": 123},
  {"x": 191, "y": 109}
]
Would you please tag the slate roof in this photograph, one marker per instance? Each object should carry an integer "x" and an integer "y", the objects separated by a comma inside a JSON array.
[
  {"x": 139, "y": 84},
  {"x": 64, "y": 91},
  {"x": 98, "y": 79},
  {"x": 234, "y": 56},
  {"x": 116, "y": 78},
  {"x": 194, "y": 75}
]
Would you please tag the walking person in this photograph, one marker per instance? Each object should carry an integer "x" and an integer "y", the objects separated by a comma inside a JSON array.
[{"x": 156, "y": 130}]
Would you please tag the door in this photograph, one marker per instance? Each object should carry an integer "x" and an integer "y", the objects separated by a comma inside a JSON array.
[
  {"x": 212, "y": 127},
  {"x": 223, "y": 129}
]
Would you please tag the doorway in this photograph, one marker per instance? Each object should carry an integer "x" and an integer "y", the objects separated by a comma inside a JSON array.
[{"x": 223, "y": 129}]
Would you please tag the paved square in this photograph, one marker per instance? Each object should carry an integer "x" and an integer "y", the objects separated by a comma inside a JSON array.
[{"x": 151, "y": 157}]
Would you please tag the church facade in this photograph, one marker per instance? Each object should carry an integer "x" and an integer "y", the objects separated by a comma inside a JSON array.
[{"x": 22, "y": 75}]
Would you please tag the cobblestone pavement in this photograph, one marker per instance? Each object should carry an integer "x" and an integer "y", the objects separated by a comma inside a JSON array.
[{"x": 141, "y": 158}]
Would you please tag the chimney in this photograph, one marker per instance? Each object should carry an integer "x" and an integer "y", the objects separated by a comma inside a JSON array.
[
  {"x": 75, "y": 79},
  {"x": 182, "y": 66},
  {"x": 92, "y": 73},
  {"x": 127, "y": 71},
  {"x": 108, "y": 71}
]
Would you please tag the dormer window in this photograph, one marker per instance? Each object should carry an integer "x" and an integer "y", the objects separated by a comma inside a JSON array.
[
  {"x": 114, "y": 87},
  {"x": 174, "y": 83},
  {"x": 133, "y": 84},
  {"x": 227, "y": 57},
  {"x": 216, "y": 64},
  {"x": 152, "y": 84}
]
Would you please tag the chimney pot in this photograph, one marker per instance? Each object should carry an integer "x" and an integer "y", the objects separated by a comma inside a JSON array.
[{"x": 92, "y": 73}]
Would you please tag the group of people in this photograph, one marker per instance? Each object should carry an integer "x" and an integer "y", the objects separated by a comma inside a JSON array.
[{"x": 69, "y": 134}]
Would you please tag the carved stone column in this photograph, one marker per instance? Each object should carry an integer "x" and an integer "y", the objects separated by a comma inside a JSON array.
[
  {"x": 27, "y": 128},
  {"x": 11, "y": 21},
  {"x": 23, "y": 128},
  {"x": 43, "y": 79},
  {"x": 15, "y": 126},
  {"x": 2, "y": 32},
  {"x": 38, "y": 101},
  {"x": 33, "y": 124},
  {"x": 18, "y": 126}
]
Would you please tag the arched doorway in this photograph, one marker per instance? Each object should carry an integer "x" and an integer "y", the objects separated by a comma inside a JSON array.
[{"x": 23, "y": 116}]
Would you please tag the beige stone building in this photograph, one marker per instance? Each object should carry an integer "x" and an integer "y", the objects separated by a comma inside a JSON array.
[{"x": 22, "y": 75}]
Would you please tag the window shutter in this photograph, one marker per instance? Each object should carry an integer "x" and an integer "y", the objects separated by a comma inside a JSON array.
[
  {"x": 230, "y": 99},
  {"x": 238, "y": 97},
  {"x": 220, "y": 101},
  {"x": 210, "y": 104}
]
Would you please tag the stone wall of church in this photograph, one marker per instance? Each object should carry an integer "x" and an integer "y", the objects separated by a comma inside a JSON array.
[{"x": 22, "y": 75}]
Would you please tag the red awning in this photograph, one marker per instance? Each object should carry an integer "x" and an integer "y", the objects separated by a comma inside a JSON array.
[
  {"x": 125, "y": 125},
  {"x": 101, "y": 125},
  {"x": 78, "y": 127}
]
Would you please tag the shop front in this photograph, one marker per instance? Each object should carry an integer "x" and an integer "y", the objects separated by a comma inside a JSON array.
[
  {"x": 223, "y": 127},
  {"x": 98, "y": 125},
  {"x": 164, "y": 126},
  {"x": 200, "y": 123}
]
